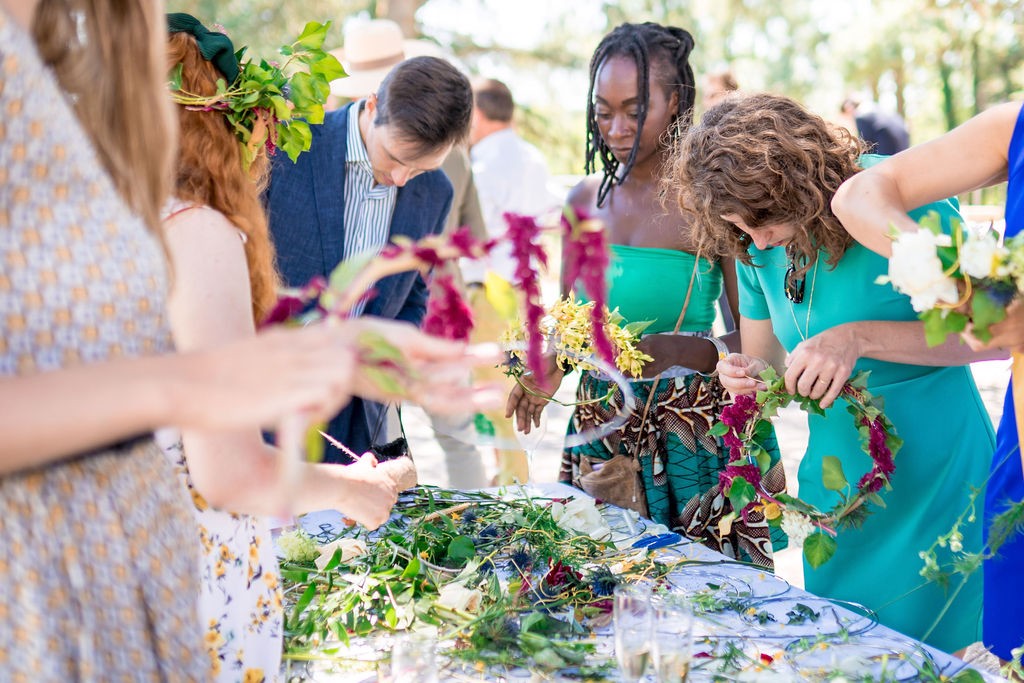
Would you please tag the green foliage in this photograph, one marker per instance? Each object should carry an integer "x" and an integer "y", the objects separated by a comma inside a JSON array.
[
  {"x": 819, "y": 548},
  {"x": 270, "y": 104},
  {"x": 832, "y": 476}
]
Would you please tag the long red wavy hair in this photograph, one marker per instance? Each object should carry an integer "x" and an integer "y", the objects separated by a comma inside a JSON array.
[{"x": 209, "y": 171}]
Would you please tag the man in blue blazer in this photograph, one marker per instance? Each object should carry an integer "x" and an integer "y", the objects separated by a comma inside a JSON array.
[{"x": 371, "y": 174}]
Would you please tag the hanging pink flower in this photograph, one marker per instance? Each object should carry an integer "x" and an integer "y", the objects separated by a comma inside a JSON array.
[
  {"x": 523, "y": 234},
  {"x": 447, "y": 316},
  {"x": 585, "y": 259}
]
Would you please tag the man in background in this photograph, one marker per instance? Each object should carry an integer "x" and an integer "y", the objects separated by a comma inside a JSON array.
[
  {"x": 884, "y": 131},
  {"x": 511, "y": 176},
  {"x": 716, "y": 86},
  {"x": 372, "y": 174}
]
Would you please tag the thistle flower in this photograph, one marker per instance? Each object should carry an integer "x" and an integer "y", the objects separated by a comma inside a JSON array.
[
  {"x": 602, "y": 582},
  {"x": 520, "y": 560}
]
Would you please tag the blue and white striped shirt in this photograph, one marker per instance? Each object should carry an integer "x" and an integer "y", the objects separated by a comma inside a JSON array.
[{"x": 368, "y": 206}]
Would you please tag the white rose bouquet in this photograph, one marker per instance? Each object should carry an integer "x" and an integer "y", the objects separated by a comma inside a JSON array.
[
  {"x": 966, "y": 277},
  {"x": 951, "y": 280}
]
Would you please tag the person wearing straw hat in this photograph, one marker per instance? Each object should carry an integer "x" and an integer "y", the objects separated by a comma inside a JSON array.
[
  {"x": 372, "y": 174},
  {"x": 373, "y": 48}
]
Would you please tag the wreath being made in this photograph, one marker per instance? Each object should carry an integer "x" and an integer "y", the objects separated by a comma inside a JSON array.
[{"x": 746, "y": 425}]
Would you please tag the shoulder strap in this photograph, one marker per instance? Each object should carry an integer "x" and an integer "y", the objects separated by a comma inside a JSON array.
[{"x": 689, "y": 291}]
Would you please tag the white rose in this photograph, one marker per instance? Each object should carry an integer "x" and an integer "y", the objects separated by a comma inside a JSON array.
[
  {"x": 350, "y": 548},
  {"x": 915, "y": 270},
  {"x": 457, "y": 597},
  {"x": 980, "y": 256},
  {"x": 581, "y": 516}
]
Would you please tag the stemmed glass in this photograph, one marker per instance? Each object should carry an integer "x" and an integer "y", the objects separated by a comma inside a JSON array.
[
  {"x": 672, "y": 638},
  {"x": 532, "y": 441},
  {"x": 632, "y": 617},
  {"x": 414, "y": 658}
]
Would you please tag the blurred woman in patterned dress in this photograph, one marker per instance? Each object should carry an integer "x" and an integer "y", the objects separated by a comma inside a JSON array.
[{"x": 97, "y": 573}]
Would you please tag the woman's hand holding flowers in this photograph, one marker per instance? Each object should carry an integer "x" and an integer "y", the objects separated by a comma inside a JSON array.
[
  {"x": 1006, "y": 334},
  {"x": 738, "y": 373},
  {"x": 369, "y": 492},
  {"x": 399, "y": 362},
  {"x": 819, "y": 366},
  {"x": 529, "y": 396}
]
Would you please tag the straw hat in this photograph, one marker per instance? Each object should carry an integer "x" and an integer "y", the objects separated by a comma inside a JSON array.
[{"x": 372, "y": 48}]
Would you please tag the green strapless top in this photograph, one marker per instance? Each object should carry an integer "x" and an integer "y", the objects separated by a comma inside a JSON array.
[{"x": 646, "y": 283}]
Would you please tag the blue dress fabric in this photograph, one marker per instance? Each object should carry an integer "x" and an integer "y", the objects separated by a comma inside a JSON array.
[{"x": 1003, "y": 627}]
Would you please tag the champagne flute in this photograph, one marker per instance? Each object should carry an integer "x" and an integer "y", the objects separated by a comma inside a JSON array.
[
  {"x": 532, "y": 441},
  {"x": 414, "y": 658},
  {"x": 672, "y": 638},
  {"x": 632, "y": 619}
]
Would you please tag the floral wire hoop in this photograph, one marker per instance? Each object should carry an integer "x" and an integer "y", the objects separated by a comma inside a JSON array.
[
  {"x": 622, "y": 415},
  {"x": 746, "y": 424}
]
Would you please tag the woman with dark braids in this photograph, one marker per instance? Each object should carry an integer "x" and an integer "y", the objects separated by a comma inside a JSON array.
[{"x": 641, "y": 93}]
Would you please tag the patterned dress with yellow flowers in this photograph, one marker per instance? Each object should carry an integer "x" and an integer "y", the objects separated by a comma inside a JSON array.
[
  {"x": 97, "y": 577},
  {"x": 240, "y": 600}
]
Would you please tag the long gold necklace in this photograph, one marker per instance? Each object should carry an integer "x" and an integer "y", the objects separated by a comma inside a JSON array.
[{"x": 810, "y": 302}]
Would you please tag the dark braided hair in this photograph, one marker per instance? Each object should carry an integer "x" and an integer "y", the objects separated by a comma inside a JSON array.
[{"x": 646, "y": 44}]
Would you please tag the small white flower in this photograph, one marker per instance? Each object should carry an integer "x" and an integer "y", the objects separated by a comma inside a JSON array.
[
  {"x": 350, "y": 548},
  {"x": 981, "y": 257},
  {"x": 915, "y": 270},
  {"x": 956, "y": 542},
  {"x": 797, "y": 526},
  {"x": 457, "y": 597},
  {"x": 581, "y": 516}
]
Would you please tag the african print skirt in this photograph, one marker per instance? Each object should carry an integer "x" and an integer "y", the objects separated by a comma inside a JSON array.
[{"x": 680, "y": 460}]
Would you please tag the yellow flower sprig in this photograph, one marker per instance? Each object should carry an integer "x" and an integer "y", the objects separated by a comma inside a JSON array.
[{"x": 568, "y": 329}]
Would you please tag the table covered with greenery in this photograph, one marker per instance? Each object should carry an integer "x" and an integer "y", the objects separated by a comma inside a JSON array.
[{"x": 516, "y": 584}]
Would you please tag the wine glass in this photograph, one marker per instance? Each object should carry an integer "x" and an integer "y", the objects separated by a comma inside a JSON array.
[
  {"x": 632, "y": 617},
  {"x": 414, "y": 658},
  {"x": 532, "y": 441},
  {"x": 672, "y": 638}
]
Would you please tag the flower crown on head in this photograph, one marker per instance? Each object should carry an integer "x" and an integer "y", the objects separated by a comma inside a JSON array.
[{"x": 264, "y": 104}]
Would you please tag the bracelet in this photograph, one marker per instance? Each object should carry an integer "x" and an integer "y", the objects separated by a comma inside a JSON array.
[{"x": 720, "y": 346}]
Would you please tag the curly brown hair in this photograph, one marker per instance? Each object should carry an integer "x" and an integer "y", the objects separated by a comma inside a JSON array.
[
  {"x": 768, "y": 160},
  {"x": 209, "y": 171}
]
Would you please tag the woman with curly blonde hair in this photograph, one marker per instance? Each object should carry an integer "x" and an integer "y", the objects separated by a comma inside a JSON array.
[{"x": 758, "y": 174}]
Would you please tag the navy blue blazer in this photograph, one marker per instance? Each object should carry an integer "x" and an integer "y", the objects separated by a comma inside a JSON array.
[{"x": 306, "y": 210}]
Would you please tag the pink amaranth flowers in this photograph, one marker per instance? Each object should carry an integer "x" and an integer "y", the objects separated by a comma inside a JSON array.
[
  {"x": 585, "y": 259},
  {"x": 294, "y": 302},
  {"x": 736, "y": 416},
  {"x": 447, "y": 316},
  {"x": 752, "y": 473},
  {"x": 880, "y": 453},
  {"x": 523, "y": 235}
]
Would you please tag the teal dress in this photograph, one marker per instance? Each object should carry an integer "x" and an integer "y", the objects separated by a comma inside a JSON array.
[
  {"x": 948, "y": 445},
  {"x": 679, "y": 459}
]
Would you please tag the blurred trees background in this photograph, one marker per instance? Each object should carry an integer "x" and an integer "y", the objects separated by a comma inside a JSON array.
[{"x": 936, "y": 62}]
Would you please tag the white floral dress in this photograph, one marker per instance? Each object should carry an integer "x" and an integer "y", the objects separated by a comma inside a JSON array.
[{"x": 240, "y": 600}]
